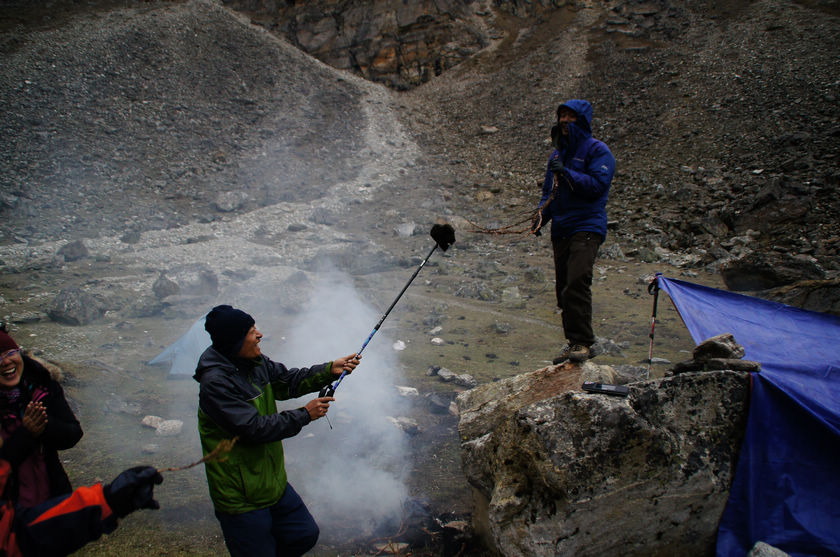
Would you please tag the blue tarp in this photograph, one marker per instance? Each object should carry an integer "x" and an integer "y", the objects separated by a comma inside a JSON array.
[{"x": 786, "y": 490}]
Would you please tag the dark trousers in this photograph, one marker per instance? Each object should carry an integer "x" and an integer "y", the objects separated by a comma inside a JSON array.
[
  {"x": 574, "y": 259},
  {"x": 285, "y": 529}
]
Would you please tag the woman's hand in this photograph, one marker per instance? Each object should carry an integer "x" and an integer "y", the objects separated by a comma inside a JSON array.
[
  {"x": 35, "y": 418},
  {"x": 347, "y": 363},
  {"x": 318, "y": 407}
]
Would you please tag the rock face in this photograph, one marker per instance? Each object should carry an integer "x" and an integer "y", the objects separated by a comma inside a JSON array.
[
  {"x": 401, "y": 44},
  {"x": 398, "y": 43},
  {"x": 559, "y": 472}
]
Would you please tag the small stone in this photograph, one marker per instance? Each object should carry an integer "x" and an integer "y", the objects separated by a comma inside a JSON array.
[
  {"x": 390, "y": 548},
  {"x": 407, "y": 425},
  {"x": 407, "y": 391},
  {"x": 761, "y": 549},
  {"x": 465, "y": 380},
  {"x": 720, "y": 346},
  {"x": 152, "y": 421},
  {"x": 405, "y": 230},
  {"x": 445, "y": 375},
  {"x": 168, "y": 428}
]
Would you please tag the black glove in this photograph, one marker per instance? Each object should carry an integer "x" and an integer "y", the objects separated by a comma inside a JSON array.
[
  {"x": 132, "y": 490},
  {"x": 556, "y": 165},
  {"x": 556, "y": 136}
]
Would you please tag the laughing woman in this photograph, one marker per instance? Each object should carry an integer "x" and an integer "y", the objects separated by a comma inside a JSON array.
[{"x": 35, "y": 422}]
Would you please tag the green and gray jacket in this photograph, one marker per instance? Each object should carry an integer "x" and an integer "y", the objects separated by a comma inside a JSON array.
[{"x": 239, "y": 399}]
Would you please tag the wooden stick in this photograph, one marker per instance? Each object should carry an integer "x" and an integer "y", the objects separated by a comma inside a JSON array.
[{"x": 219, "y": 454}]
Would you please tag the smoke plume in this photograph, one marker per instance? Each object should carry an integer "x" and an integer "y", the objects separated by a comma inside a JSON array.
[{"x": 351, "y": 476}]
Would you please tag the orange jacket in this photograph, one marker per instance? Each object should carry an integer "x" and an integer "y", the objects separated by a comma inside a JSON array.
[{"x": 56, "y": 527}]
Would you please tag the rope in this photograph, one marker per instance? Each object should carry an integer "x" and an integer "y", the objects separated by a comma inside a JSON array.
[{"x": 535, "y": 217}]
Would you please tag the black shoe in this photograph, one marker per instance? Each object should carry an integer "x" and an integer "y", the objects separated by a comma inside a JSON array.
[{"x": 579, "y": 353}]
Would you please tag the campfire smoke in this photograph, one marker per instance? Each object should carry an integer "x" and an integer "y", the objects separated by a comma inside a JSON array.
[{"x": 351, "y": 476}]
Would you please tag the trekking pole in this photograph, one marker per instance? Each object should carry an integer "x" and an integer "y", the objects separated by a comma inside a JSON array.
[
  {"x": 653, "y": 289},
  {"x": 444, "y": 236}
]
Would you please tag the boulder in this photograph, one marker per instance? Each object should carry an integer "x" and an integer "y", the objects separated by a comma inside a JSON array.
[
  {"x": 760, "y": 271},
  {"x": 74, "y": 306},
  {"x": 188, "y": 280},
  {"x": 556, "y": 471},
  {"x": 164, "y": 287},
  {"x": 73, "y": 251},
  {"x": 812, "y": 295},
  {"x": 230, "y": 201}
]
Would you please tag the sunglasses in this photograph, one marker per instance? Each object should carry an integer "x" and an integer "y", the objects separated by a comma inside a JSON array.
[{"x": 10, "y": 353}]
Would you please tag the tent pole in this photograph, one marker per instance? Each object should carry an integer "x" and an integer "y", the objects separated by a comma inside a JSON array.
[{"x": 653, "y": 289}]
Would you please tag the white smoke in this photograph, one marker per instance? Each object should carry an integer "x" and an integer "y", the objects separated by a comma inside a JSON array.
[{"x": 351, "y": 476}]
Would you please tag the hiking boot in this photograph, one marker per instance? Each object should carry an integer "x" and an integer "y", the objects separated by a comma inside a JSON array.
[
  {"x": 579, "y": 353},
  {"x": 564, "y": 355}
]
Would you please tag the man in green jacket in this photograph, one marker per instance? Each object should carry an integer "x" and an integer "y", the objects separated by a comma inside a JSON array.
[{"x": 259, "y": 511}]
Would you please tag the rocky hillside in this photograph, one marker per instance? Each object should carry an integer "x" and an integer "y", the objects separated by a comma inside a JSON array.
[
  {"x": 723, "y": 116},
  {"x": 697, "y": 105},
  {"x": 723, "y": 119}
]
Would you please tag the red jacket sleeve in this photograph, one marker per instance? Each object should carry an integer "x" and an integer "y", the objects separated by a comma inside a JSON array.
[{"x": 62, "y": 525}]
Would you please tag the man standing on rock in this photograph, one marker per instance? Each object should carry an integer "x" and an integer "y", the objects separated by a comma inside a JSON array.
[
  {"x": 575, "y": 192},
  {"x": 260, "y": 512}
]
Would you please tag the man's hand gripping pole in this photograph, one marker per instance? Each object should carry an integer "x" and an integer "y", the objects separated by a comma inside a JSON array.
[{"x": 444, "y": 236}]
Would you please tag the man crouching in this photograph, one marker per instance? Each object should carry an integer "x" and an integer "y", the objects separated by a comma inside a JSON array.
[{"x": 259, "y": 511}]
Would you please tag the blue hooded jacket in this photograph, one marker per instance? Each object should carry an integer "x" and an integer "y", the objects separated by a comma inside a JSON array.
[{"x": 580, "y": 202}]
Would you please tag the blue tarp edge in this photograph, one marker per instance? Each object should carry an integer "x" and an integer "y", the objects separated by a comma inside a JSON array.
[{"x": 786, "y": 487}]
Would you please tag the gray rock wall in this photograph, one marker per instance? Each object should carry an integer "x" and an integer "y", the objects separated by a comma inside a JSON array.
[
  {"x": 560, "y": 472},
  {"x": 401, "y": 44}
]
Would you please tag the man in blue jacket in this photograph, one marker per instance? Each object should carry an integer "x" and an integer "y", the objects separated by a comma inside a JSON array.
[{"x": 575, "y": 192}]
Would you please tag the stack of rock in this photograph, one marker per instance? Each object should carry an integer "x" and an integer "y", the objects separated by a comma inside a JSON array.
[{"x": 716, "y": 353}]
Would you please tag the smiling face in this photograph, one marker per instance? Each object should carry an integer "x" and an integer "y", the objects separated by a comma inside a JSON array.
[
  {"x": 564, "y": 117},
  {"x": 251, "y": 344},
  {"x": 11, "y": 369}
]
